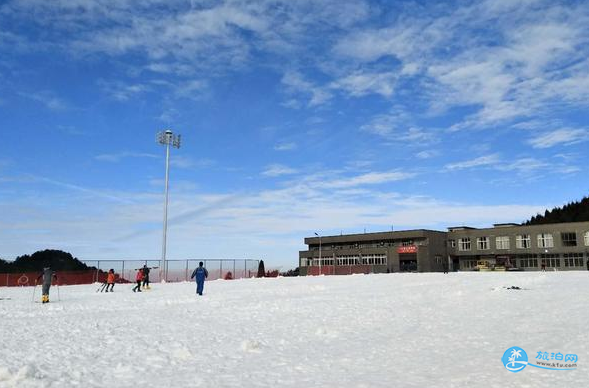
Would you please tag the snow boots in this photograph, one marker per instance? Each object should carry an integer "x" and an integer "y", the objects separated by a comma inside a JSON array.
[{"x": 45, "y": 299}]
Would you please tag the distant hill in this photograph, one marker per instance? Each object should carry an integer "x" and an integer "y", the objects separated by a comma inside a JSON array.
[
  {"x": 571, "y": 212},
  {"x": 56, "y": 259}
]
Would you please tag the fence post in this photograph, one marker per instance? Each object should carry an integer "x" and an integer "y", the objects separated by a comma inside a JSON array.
[
  {"x": 186, "y": 273},
  {"x": 220, "y": 269},
  {"x": 234, "y": 274},
  {"x": 123, "y": 270}
]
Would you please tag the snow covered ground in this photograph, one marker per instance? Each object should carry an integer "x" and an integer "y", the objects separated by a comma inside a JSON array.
[{"x": 389, "y": 330}]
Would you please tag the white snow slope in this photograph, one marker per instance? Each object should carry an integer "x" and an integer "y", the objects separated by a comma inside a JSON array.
[{"x": 393, "y": 330}]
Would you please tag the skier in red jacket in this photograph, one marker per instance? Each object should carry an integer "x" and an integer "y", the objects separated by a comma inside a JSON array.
[{"x": 138, "y": 279}]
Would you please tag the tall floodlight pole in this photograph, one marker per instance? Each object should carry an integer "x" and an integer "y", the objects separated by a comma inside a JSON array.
[
  {"x": 168, "y": 139},
  {"x": 318, "y": 235}
]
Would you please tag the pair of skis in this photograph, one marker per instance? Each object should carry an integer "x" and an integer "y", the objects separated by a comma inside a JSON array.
[{"x": 102, "y": 287}]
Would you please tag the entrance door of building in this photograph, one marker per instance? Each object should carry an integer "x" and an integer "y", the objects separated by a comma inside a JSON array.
[
  {"x": 408, "y": 262},
  {"x": 455, "y": 264}
]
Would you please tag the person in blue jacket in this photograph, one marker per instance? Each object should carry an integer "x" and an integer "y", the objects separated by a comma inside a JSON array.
[{"x": 200, "y": 274}]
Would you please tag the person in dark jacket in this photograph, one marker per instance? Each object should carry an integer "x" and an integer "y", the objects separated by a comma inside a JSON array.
[
  {"x": 445, "y": 265},
  {"x": 200, "y": 273},
  {"x": 48, "y": 275},
  {"x": 146, "y": 277}
]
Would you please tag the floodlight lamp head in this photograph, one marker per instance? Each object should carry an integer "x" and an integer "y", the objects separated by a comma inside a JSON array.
[
  {"x": 162, "y": 138},
  {"x": 176, "y": 140}
]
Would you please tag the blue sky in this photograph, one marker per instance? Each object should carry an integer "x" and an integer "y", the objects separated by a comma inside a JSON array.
[{"x": 296, "y": 116}]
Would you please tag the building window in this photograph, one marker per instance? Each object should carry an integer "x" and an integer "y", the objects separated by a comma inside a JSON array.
[
  {"x": 545, "y": 240},
  {"x": 502, "y": 242},
  {"x": 569, "y": 239},
  {"x": 376, "y": 259},
  {"x": 464, "y": 244},
  {"x": 528, "y": 260},
  {"x": 586, "y": 238},
  {"x": 453, "y": 242},
  {"x": 468, "y": 264},
  {"x": 553, "y": 263},
  {"x": 528, "y": 263},
  {"x": 551, "y": 259},
  {"x": 573, "y": 259},
  {"x": 407, "y": 243},
  {"x": 483, "y": 243},
  {"x": 522, "y": 241}
]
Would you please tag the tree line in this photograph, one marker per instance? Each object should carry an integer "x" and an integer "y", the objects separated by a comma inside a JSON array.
[
  {"x": 56, "y": 259},
  {"x": 577, "y": 211}
]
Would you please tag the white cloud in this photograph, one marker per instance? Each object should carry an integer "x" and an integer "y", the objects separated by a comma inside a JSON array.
[
  {"x": 122, "y": 91},
  {"x": 386, "y": 125},
  {"x": 275, "y": 170},
  {"x": 524, "y": 59},
  {"x": 285, "y": 146},
  {"x": 560, "y": 136},
  {"x": 372, "y": 178},
  {"x": 524, "y": 166},
  {"x": 115, "y": 158},
  {"x": 296, "y": 83},
  {"x": 181, "y": 161},
  {"x": 47, "y": 98},
  {"x": 481, "y": 161},
  {"x": 427, "y": 154},
  {"x": 362, "y": 83}
]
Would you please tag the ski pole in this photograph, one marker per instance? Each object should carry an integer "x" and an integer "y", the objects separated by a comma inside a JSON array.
[
  {"x": 101, "y": 287},
  {"x": 58, "y": 297},
  {"x": 33, "y": 298}
]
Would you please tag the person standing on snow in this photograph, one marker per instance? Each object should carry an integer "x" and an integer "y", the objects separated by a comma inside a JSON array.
[
  {"x": 146, "y": 276},
  {"x": 200, "y": 274},
  {"x": 138, "y": 279},
  {"x": 110, "y": 280},
  {"x": 48, "y": 275}
]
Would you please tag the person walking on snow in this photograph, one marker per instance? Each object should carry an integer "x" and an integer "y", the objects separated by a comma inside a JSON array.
[
  {"x": 48, "y": 275},
  {"x": 110, "y": 280},
  {"x": 445, "y": 265},
  {"x": 138, "y": 279},
  {"x": 200, "y": 274}
]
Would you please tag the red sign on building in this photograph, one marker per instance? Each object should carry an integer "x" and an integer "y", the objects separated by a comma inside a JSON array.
[{"x": 407, "y": 249}]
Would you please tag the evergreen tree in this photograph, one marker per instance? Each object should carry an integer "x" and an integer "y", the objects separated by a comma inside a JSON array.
[
  {"x": 576, "y": 211},
  {"x": 56, "y": 259}
]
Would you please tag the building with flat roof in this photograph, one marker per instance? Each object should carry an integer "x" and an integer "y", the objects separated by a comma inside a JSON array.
[
  {"x": 409, "y": 250},
  {"x": 508, "y": 246}
]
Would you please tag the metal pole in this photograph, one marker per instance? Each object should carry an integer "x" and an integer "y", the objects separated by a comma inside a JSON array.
[
  {"x": 220, "y": 269},
  {"x": 319, "y": 255},
  {"x": 234, "y": 274},
  {"x": 166, "y": 212},
  {"x": 123, "y": 270},
  {"x": 186, "y": 273}
]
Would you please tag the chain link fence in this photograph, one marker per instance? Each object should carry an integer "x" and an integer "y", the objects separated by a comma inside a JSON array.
[{"x": 178, "y": 270}]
